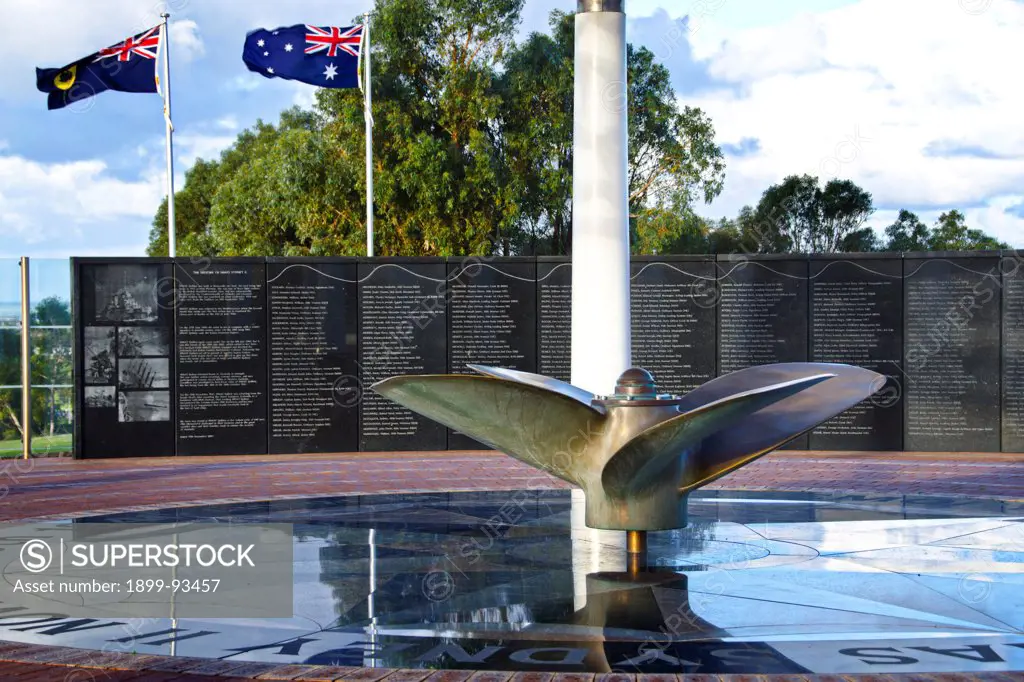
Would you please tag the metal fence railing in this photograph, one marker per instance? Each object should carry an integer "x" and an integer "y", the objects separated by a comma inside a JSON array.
[{"x": 36, "y": 390}]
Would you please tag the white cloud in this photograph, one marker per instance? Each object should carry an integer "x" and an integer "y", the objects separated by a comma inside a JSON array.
[
  {"x": 245, "y": 82},
  {"x": 305, "y": 95},
  {"x": 227, "y": 123},
  {"x": 863, "y": 91},
  {"x": 191, "y": 146},
  {"x": 4, "y": 145},
  {"x": 43, "y": 204},
  {"x": 186, "y": 43}
]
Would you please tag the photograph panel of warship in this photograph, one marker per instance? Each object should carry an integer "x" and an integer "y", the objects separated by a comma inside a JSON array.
[
  {"x": 141, "y": 342},
  {"x": 101, "y": 397},
  {"x": 144, "y": 406},
  {"x": 127, "y": 293},
  {"x": 144, "y": 373},
  {"x": 100, "y": 364}
]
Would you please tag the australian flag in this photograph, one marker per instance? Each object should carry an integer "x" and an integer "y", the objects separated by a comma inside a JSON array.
[
  {"x": 326, "y": 56},
  {"x": 129, "y": 66}
]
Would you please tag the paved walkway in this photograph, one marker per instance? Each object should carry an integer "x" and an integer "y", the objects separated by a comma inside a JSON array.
[
  {"x": 44, "y": 488},
  {"x": 62, "y": 487}
]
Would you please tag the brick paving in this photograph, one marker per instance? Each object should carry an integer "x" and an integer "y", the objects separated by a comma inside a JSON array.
[
  {"x": 57, "y": 487},
  {"x": 62, "y": 487}
]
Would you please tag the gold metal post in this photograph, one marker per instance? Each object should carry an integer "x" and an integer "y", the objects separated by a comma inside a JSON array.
[
  {"x": 636, "y": 546},
  {"x": 26, "y": 364}
]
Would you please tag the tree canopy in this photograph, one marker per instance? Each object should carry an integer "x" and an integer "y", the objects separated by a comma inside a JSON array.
[
  {"x": 473, "y": 156},
  {"x": 472, "y": 150},
  {"x": 798, "y": 215}
]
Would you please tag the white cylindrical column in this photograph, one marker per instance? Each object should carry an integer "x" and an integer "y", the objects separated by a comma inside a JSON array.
[
  {"x": 600, "y": 227},
  {"x": 600, "y": 244}
]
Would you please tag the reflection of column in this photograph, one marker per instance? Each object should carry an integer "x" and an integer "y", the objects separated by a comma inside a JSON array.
[
  {"x": 371, "y": 613},
  {"x": 174, "y": 619},
  {"x": 593, "y": 551}
]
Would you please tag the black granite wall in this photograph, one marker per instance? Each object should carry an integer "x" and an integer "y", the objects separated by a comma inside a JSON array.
[
  {"x": 403, "y": 329},
  {"x": 952, "y": 306},
  {"x": 492, "y": 320},
  {"x": 554, "y": 318},
  {"x": 856, "y": 317},
  {"x": 247, "y": 356},
  {"x": 221, "y": 344},
  {"x": 762, "y": 314},
  {"x": 314, "y": 346},
  {"x": 1012, "y": 272},
  {"x": 674, "y": 326},
  {"x": 124, "y": 364}
]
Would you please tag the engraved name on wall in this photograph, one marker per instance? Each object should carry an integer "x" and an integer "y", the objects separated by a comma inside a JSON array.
[
  {"x": 314, "y": 386},
  {"x": 403, "y": 330},
  {"x": 952, "y": 354},
  {"x": 857, "y": 319}
]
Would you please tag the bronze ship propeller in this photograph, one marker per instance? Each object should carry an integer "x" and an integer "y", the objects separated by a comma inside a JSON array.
[{"x": 637, "y": 454}]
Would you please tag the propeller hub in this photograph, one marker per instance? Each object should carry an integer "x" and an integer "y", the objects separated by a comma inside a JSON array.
[{"x": 636, "y": 388}]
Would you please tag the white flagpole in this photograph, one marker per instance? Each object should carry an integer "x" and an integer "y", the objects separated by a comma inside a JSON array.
[
  {"x": 165, "y": 45},
  {"x": 368, "y": 116}
]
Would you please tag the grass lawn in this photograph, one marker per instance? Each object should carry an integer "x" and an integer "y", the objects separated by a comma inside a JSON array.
[{"x": 60, "y": 442}]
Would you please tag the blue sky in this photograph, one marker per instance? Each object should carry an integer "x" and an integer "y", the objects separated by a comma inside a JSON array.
[{"x": 916, "y": 100}]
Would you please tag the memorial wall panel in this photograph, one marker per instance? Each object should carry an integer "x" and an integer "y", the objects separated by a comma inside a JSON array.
[
  {"x": 314, "y": 384},
  {"x": 239, "y": 356},
  {"x": 951, "y": 353},
  {"x": 1012, "y": 267},
  {"x": 124, "y": 336},
  {"x": 857, "y": 319},
  {"x": 221, "y": 334},
  {"x": 673, "y": 302},
  {"x": 762, "y": 314},
  {"x": 403, "y": 329},
  {"x": 554, "y": 318},
  {"x": 492, "y": 320}
]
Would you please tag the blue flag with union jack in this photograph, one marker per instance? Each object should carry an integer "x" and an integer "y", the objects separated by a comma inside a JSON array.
[
  {"x": 129, "y": 66},
  {"x": 327, "y": 56}
]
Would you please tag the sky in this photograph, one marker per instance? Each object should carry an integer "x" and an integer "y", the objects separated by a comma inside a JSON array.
[{"x": 917, "y": 101}]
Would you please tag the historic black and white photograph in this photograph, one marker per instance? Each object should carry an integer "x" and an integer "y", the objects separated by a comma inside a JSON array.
[
  {"x": 101, "y": 396},
  {"x": 127, "y": 293},
  {"x": 141, "y": 342},
  {"x": 144, "y": 373},
  {"x": 144, "y": 406},
  {"x": 100, "y": 363}
]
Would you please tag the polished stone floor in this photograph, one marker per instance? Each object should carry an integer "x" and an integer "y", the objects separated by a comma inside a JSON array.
[{"x": 759, "y": 583}]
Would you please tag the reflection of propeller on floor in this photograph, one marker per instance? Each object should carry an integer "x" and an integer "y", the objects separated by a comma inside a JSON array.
[
  {"x": 628, "y": 601},
  {"x": 636, "y": 453}
]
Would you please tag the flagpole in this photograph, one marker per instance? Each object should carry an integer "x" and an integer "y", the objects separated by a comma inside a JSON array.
[
  {"x": 368, "y": 116},
  {"x": 166, "y": 49}
]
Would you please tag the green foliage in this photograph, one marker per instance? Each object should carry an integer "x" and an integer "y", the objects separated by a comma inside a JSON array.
[
  {"x": 51, "y": 311},
  {"x": 671, "y": 231},
  {"x": 472, "y": 150},
  {"x": 952, "y": 234},
  {"x": 800, "y": 216},
  {"x": 50, "y": 364},
  {"x": 908, "y": 233},
  {"x": 863, "y": 240}
]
